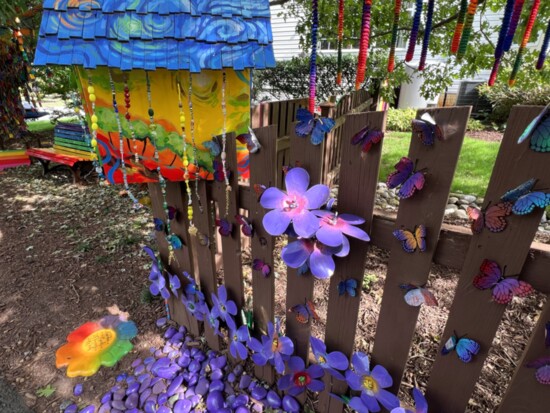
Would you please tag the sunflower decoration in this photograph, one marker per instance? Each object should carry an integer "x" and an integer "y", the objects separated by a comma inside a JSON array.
[{"x": 95, "y": 344}]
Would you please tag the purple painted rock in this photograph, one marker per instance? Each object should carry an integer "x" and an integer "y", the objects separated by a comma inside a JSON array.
[
  {"x": 175, "y": 385},
  {"x": 228, "y": 389},
  {"x": 225, "y": 410},
  {"x": 217, "y": 385},
  {"x": 252, "y": 385},
  {"x": 117, "y": 411},
  {"x": 216, "y": 375},
  {"x": 219, "y": 362},
  {"x": 242, "y": 409},
  {"x": 78, "y": 389},
  {"x": 88, "y": 409},
  {"x": 169, "y": 373},
  {"x": 176, "y": 338},
  {"x": 183, "y": 406},
  {"x": 174, "y": 354},
  {"x": 119, "y": 394},
  {"x": 273, "y": 399},
  {"x": 290, "y": 404},
  {"x": 164, "y": 409},
  {"x": 144, "y": 396},
  {"x": 193, "y": 379},
  {"x": 71, "y": 408},
  {"x": 194, "y": 366},
  {"x": 202, "y": 386},
  {"x": 130, "y": 380},
  {"x": 169, "y": 333},
  {"x": 161, "y": 363},
  {"x": 161, "y": 322},
  {"x": 245, "y": 381},
  {"x": 145, "y": 385},
  {"x": 121, "y": 377},
  {"x": 231, "y": 378},
  {"x": 155, "y": 380},
  {"x": 137, "y": 362},
  {"x": 150, "y": 406},
  {"x": 238, "y": 370},
  {"x": 240, "y": 400},
  {"x": 139, "y": 369},
  {"x": 215, "y": 400},
  {"x": 183, "y": 330},
  {"x": 200, "y": 357},
  {"x": 184, "y": 360},
  {"x": 118, "y": 404},
  {"x": 189, "y": 392},
  {"x": 159, "y": 354},
  {"x": 132, "y": 401},
  {"x": 152, "y": 350},
  {"x": 133, "y": 388},
  {"x": 149, "y": 360},
  {"x": 196, "y": 399},
  {"x": 194, "y": 351},
  {"x": 105, "y": 408},
  {"x": 132, "y": 410},
  {"x": 162, "y": 399},
  {"x": 259, "y": 393},
  {"x": 107, "y": 397},
  {"x": 143, "y": 377},
  {"x": 159, "y": 387}
]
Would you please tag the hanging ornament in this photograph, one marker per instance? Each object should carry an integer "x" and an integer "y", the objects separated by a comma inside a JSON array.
[
  {"x": 427, "y": 33},
  {"x": 467, "y": 31},
  {"x": 525, "y": 40},
  {"x": 514, "y": 21},
  {"x": 414, "y": 31},
  {"x": 364, "y": 45},
  {"x": 137, "y": 205},
  {"x": 313, "y": 61},
  {"x": 93, "y": 143},
  {"x": 459, "y": 26},
  {"x": 128, "y": 117},
  {"x": 396, "y": 17},
  {"x": 195, "y": 151},
  {"x": 544, "y": 49},
  {"x": 224, "y": 145},
  {"x": 340, "y": 40},
  {"x": 499, "y": 50}
]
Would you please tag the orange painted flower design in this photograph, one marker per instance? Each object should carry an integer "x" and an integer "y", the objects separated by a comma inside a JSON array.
[{"x": 96, "y": 344}]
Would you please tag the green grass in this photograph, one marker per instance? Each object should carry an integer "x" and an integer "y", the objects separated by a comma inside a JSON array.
[
  {"x": 45, "y": 125},
  {"x": 474, "y": 165}
]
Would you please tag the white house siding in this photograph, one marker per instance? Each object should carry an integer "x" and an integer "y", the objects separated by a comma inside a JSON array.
[{"x": 286, "y": 41}]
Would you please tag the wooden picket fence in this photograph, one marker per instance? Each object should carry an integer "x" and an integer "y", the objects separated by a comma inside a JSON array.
[{"x": 451, "y": 381}]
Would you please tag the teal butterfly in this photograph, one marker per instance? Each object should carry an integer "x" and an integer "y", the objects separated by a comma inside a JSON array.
[{"x": 539, "y": 132}]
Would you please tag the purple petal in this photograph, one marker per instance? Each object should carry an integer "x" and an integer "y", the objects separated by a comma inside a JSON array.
[
  {"x": 230, "y": 322},
  {"x": 382, "y": 377},
  {"x": 297, "y": 181},
  {"x": 295, "y": 391},
  {"x": 420, "y": 402},
  {"x": 322, "y": 266},
  {"x": 316, "y": 385},
  {"x": 287, "y": 346},
  {"x": 305, "y": 224},
  {"x": 388, "y": 400},
  {"x": 318, "y": 346},
  {"x": 337, "y": 360},
  {"x": 222, "y": 294},
  {"x": 401, "y": 410},
  {"x": 165, "y": 293},
  {"x": 354, "y": 380},
  {"x": 243, "y": 334},
  {"x": 270, "y": 329},
  {"x": 231, "y": 307},
  {"x": 259, "y": 359},
  {"x": 336, "y": 374},
  {"x": 330, "y": 235},
  {"x": 315, "y": 371},
  {"x": 276, "y": 222},
  {"x": 278, "y": 363},
  {"x": 343, "y": 250},
  {"x": 285, "y": 382},
  {"x": 233, "y": 349},
  {"x": 241, "y": 349},
  {"x": 316, "y": 196},
  {"x": 370, "y": 402},
  {"x": 296, "y": 253},
  {"x": 357, "y": 404},
  {"x": 355, "y": 232},
  {"x": 255, "y": 345},
  {"x": 361, "y": 363},
  {"x": 154, "y": 289},
  {"x": 296, "y": 364},
  {"x": 273, "y": 198},
  {"x": 352, "y": 219}
]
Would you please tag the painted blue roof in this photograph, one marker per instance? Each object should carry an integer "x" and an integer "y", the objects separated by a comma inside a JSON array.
[{"x": 149, "y": 34}]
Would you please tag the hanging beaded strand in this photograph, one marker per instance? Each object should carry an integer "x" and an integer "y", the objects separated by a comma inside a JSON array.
[
  {"x": 514, "y": 21},
  {"x": 459, "y": 26},
  {"x": 121, "y": 143},
  {"x": 499, "y": 50},
  {"x": 544, "y": 49},
  {"x": 467, "y": 31},
  {"x": 224, "y": 145},
  {"x": 192, "y": 229},
  {"x": 195, "y": 152},
  {"x": 128, "y": 117},
  {"x": 79, "y": 111},
  {"x": 524, "y": 41},
  {"x": 394, "y": 35},
  {"x": 364, "y": 45},
  {"x": 313, "y": 60},
  {"x": 427, "y": 34},
  {"x": 414, "y": 31},
  {"x": 97, "y": 159},
  {"x": 340, "y": 40}
]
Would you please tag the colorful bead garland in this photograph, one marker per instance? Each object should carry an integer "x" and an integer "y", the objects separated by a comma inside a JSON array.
[
  {"x": 313, "y": 61},
  {"x": 195, "y": 152},
  {"x": 467, "y": 31},
  {"x": 128, "y": 117},
  {"x": 427, "y": 34},
  {"x": 395, "y": 27},
  {"x": 224, "y": 145},
  {"x": 414, "y": 31},
  {"x": 364, "y": 45},
  {"x": 121, "y": 142},
  {"x": 544, "y": 49},
  {"x": 94, "y": 119},
  {"x": 499, "y": 50},
  {"x": 459, "y": 26},
  {"x": 340, "y": 40},
  {"x": 514, "y": 21},
  {"x": 524, "y": 41}
]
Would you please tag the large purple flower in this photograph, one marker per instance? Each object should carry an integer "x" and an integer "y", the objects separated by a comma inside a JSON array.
[
  {"x": 421, "y": 405},
  {"x": 224, "y": 308},
  {"x": 239, "y": 338},
  {"x": 192, "y": 287},
  {"x": 273, "y": 348},
  {"x": 371, "y": 384},
  {"x": 295, "y": 205},
  {"x": 196, "y": 308},
  {"x": 331, "y": 362},
  {"x": 317, "y": 256},
  {"x": 299, "y": 379},
  {"x": 334, "y": 226},
  {"x": 213, "y": 321},
  {"x": 175, "y": 284},
  {"x": 158, "y": 282}
]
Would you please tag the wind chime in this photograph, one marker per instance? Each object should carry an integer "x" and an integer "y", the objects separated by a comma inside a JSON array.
[
  {"x": 93, "y": 143},
  {"x": 364, "y": 45},
  {"x": 395, "y": 28},
  {"x": 499, "y": 50},
  {"x": 467, "y": 30},
  {"x": 414, "y": 31},
  {"x": 524, "y": 41},
  {"x": 459, "y": 26},
  {"x": 514, "y": 21},
  {"x": 544, "y": 49},
  {"x": 313, "y": 60},
  {"x": 340, "y": 40}
]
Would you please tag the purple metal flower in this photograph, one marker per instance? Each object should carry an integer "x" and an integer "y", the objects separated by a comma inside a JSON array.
[
  {"x": 421, "y": 405},
  {"x": 196, "y": 308},
  {"x": 158, "y": 282},
  {"x": 223, "y": 308},
  {"x": 317, "y": 256},
  {"x": 295, "y": 205},
  {"x": 192, "y": 287},
  {"x": 331, "y": 362},
  {"x": 273, "y": 348},
  {"x": 371, "y": 384},
  {"x": 175, "y": 284},
  {"x": 300, "y": 378},
  {"x": 239, "y": 338},
  {"x": 213, "y": 321},
  {"x": 334, "y": 226}
]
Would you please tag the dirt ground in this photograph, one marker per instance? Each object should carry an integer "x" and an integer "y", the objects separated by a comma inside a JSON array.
[{"x": 70, "y": 254}]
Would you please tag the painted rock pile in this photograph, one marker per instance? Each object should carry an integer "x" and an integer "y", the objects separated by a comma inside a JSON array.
[{"x": 181, "y": 378}]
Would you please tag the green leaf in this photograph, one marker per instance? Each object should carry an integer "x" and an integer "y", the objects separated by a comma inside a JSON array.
[{"x": 46, "y": 391}]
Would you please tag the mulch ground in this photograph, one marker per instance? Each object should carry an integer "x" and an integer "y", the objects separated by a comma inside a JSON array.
[{"x": 71, "y": 254}]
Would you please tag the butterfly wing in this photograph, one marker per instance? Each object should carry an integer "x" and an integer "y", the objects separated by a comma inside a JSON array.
[
  {"x": 514, "y": 194},
  {"x": 424, "y": 131},
  {"x": 257, "y": 264},
  {"x": 341, "y": 288},
  {"x": 547, "y": 335},
  {"x": 374, "y": 137},
  {"x": 266, "y": 270},
  {"x": 225, "y": 227},
  {"x": 495, "y": 216},
  {"x": 411, "y": 185},
  {"x": 172, "y": 212},
  {"x": 407, "y": 239},
  {"x": 420, "y": 403},
  {"x": 301, "y": 313},
  {"x": 311, "y": 310},
  {"x": 246, "y": 227},
  {"x": 306, "y": 122},
  {"x": 503, "y": 292},
  {"x": 478, "y": 219},
  {"x": 351, "y": 287},
  {"x": 251, "y": 142},
  {"x": 543, "y": 374},
  {"x": 361, "y": 136},
  {"x": 322, "y": 127},
  {"x": 540, "y": 138},
  {"x": 466, "y": 349},
  {"x": 488, "y": 276},
  {"x": 429, "y": 297},
  {"x": 527, "y": 203},
  {"x": 449, "y": 346},
  {"x": 420, "y": 236},
  {"x": 414, "y": 297},
  {"x": 214, "y": 147},
  {"x": 524, "y": 289},
  {"x": 403, "y": 170},
  {"x": 259, "y": 189},
  {"x": 159, "y": 224}
]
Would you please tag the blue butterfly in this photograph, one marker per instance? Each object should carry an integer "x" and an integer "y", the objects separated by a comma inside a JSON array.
[
  {"x": 159, "y": 224},
  {"x": 465, "y": 348},
  {"x": 175, "y": 241},
  {"x": 539, "y": 132},
  {"x": 213, "y": 146},
  {"x": 250, "y": 140},
  {"x": 310, "y": 124},
  {"x": 348, "y": 286},
  {"x": 525, "y": 200}
]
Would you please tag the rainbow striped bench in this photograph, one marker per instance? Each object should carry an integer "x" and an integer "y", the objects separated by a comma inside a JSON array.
[{"x": 13, "y": 158}]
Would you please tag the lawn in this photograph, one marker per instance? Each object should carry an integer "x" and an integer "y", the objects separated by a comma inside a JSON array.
[
  {"x": 474, "y": 165},
  {"x": 46, "y": 125}
]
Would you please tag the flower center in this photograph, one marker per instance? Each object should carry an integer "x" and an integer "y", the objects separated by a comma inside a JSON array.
[
  {"x": 301, "y": 379},
  {"x": 191, "y": 306},
  {"x": 332, "y": 220},
  {"x": 291, "y": 204},
  {"x": 222, "y": 308},
  {"x": 370, "y": 385},
  {"x": 275, "y": 345},
  {"x": 99, "y": 341},
  {"x": 322, "y": 360}
]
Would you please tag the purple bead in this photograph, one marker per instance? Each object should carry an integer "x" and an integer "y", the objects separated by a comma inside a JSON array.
[
  {"x": 71, "y": 408},
  {"x": 290, "y": 404},
  {"x": 183, "y": 406},
  {"x": 202, "y": 387},
  {"x": 133, "y": 388},
  {"x": 78, "y": 389},
  {"x": 175, "y": 385},
  {"x": 245, "y": 381},
  {"x": 170, "y": 332},
  {"x": 259, "y": 393},
  {"x": 132, "y": 401},
  {"x": 215, "y": 400},
  {"x": 217, "y": 375},
  {"x": 88, "y": 409},
  {"x": 273, "y": 399},
  {"x": 217, "y": 385}
]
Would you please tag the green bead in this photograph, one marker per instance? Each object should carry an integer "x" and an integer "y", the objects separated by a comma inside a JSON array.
[{"x": 151, "y": 112}]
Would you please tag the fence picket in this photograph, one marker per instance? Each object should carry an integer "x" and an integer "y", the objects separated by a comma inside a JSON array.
[
  {"x": 514, "y": 165},
  {"x": 426, "y": 207},
  {"x": 359, "y": 179}
]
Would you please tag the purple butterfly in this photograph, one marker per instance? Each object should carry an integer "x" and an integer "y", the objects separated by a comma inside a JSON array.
[
  {"x": 250, "y": 140},
  {"x": 367, "y": 137},
  {"x": 246, "y": 227},
  {"x": 225, "y": 227},
  {"x": 426, "y": 129},
  {"x": 172, "y": 213},
  {"x": 547, "y": 335},
  {"x": 260, "y": 265},
  {"x": 219, "y": 174},
  {"x": 542, "y": 365},
  {"x": 406, "y": 177},
  {"x": 310, "y": 124}
]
